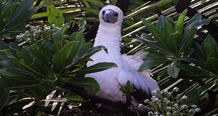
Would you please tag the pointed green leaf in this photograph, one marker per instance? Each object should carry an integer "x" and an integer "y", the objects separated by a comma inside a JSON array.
[
  {"x": 18, "y": 84},
  {"x": 96, "y": 68},
  {"x": 64, "y": 56},
  {"x": 208, "y": 49},
  {"x": 180, "y": 22},
  {"x": 197, "y": 17},
  {"x": 173, "y": 42},
  {"x": 59, "y": 38},
  {"x": 196, "y": 24},
  {"x": 171, "y": 21},
  {"x": 168, "y": 28},
  {"x": 209, "y": 39},
  {"x": 87, "y": 55},
  {"x": 187, "y": 39},
  {"x": 160, "y": 24},
  {"x": 193, "y": 71},
  {"x": 87, "y": 82},
  {"x": 187, "y": 52},
  {"x": 4, "y": 97},
  {"x": 151, "y": 63},
  {"x": 212, "y": 64},
  {"x": 159, "y": 35},
  {"x": 7, "y": 15}
]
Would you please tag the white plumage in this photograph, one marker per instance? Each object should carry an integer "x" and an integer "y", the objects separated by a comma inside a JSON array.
[{"x": 110, "y": 81}]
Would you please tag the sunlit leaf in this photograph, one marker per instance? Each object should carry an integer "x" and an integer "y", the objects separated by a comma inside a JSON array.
[{"x": 54, "y": 15}]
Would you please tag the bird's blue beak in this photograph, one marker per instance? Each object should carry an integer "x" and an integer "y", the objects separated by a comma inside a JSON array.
[{"x": 110, "y": 16}]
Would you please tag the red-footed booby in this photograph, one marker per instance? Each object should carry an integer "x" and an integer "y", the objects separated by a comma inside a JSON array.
[{"x": 110, "y": 81}]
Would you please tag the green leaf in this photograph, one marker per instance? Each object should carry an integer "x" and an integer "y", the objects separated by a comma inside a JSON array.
[
  {"x": 212, "y": 64},
  {"x": 21, "y": 15},
  {"x": 197, "y": 17},
  {"x": 196, "y": 24},
  {"x": 96, "y": 68},
  {"x": 172, "y": 70},
  {"x": 4, "y": 97},
  {"x": 160, "y": 24},
  {"x": 180, "y": 22},
  {"x": 18, "y": 84},
  {"x": 198, "y": 52},
  {"x": 17, "y": 74},
  {"x": 209, "y": 39},
  {"x": 173, "y": 42},
  {"x": 152, "y": 62},
  {"x": 187, "y": 39},
  {"x": 171, "y": 21},
  {"x": 193, "y": 71},
  {"x": 87, "y": 55},
  {"x": 58, "y": 39},
  {"x": 54, "y": 15},
  {"x": 187, "y": 52},
  {"x": 64, "y": 56},
  {"x": 153, "y": 43},
  {"x": 193, "y": 60},
  {"x": 168, "y": 28},
  {"x": 87, "y": 82},
  {"x": 7, "y": 15},
  {"x": 159, "y": 35},
  {"x": 1, "y": 7},
  {"x": 208, "y": 49},
  {"x": 25, "y": 57}
]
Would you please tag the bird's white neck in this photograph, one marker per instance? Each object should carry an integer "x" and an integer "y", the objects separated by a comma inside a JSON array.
[
  {"x": 113, "y": 35},
  {"x": 109, "y": 37}
]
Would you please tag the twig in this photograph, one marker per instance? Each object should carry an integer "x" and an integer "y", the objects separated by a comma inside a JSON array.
[{"x": 146, "y": 39}]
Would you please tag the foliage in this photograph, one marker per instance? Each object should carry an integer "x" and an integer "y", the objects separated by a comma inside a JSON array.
[
  {"x": 168, "y": 43},
  {"x": 172, "y": 50},
  {"x": 39, "y": 68},
  {"x": 13, "y": 15},
  {"x": 33, "y": 75}
]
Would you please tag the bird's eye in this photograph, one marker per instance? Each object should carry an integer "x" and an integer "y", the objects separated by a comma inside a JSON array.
[
  {"x": 103, "y": 12},
  {"x": 116, "y": 14}
]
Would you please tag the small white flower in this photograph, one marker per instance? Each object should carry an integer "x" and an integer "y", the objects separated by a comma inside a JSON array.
[
  {"x": 193, "y": 106},
  {"x": 197, "y": 109},
  {"x": 191, "y": 110},
  {"x": 176, "y": 89},
  {"x": 168, "y": 113},
  {"x": 146, "y": 101},
  {"x": 154, "y": 92},
  {"x": 184, "y": 106},
  {"x": 150, "y": 113},
  {"x": 184, "y": 97},
  {"x": 176, "y": 105},
  {"x": 164, "y": 92},
  {"x": 153, "y": 98}
]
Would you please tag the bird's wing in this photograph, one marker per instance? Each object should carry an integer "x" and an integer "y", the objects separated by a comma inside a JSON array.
[
  {"x": 135, "y": 63},
  {"x": 143, "y": 85},
  {"x": 142, "y": 82}
]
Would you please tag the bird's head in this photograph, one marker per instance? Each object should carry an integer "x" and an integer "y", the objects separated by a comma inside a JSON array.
[{"x": 111, "y": 15}]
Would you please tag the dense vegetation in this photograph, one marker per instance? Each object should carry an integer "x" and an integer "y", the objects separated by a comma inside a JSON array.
[{"x": 45, "y": 46}]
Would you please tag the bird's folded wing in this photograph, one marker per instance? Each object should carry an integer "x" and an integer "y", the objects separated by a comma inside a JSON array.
[{"x": 134, "y": 63}]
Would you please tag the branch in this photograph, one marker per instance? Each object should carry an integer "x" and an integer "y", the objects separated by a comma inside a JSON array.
[{"x": 94, "y": 100}]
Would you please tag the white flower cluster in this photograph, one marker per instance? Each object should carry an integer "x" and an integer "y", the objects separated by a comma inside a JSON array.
[
  {"x": 167, "y": 105},
  {"x": 36, "y": 33}
]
